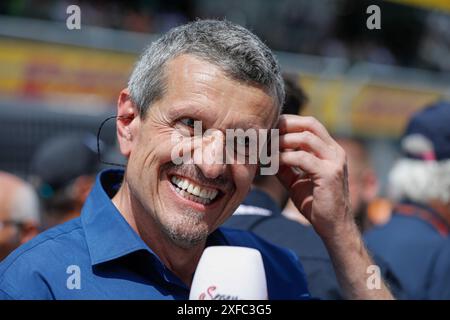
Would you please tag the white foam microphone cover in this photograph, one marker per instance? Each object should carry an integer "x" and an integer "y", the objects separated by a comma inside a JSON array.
[{"x": 229, "y": 273}]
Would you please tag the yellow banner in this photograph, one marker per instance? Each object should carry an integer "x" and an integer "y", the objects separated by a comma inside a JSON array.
[
  {"x": 67, "y": 74},
  {"x": 364, "y": 109}
]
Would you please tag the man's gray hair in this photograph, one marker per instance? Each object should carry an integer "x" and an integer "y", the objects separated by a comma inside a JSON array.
[{"x": 238, "y": 52}]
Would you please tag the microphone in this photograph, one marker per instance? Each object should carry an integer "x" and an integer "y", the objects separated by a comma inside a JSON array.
[{"x": 229, "y": 273}]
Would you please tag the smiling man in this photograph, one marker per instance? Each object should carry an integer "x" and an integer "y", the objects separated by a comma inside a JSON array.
[{"x": 142, "y": 231}]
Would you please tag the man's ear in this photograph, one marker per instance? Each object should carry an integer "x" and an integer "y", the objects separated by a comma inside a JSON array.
[{"x": 127, "y": 122}]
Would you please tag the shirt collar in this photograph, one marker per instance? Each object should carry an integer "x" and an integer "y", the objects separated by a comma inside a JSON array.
[{"x": 108, "y": 234}]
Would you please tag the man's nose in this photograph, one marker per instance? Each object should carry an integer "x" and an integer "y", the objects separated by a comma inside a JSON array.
[{"x": 210, "y": 157}]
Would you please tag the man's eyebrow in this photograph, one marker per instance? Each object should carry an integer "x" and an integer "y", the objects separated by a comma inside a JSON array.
[{"x": 178, "y": 110}]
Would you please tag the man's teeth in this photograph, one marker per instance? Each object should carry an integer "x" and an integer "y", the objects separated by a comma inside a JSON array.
[{"x": 193, "y": 191}]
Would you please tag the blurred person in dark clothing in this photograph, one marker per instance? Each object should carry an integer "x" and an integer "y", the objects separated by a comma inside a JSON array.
[
  {"x": 260, "y": 213},
  {"x": 19, "y": 213},
  {"x": 63, "y": 170},
  {"x": 420, "y": 224}
]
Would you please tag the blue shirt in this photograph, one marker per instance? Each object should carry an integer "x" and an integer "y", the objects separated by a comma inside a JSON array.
[
  {"x": 408, "y": 246},
  {"x": 111, "y": 261},
  {"x": 260, "y": 214}
]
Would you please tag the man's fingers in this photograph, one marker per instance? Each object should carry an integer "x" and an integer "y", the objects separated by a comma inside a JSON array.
[
  {"x": 287, "y": 175},
  {"x": 307, "y": 141},
  {"x": 301, "y": 159},
  {"x": 292, "y": 123}
]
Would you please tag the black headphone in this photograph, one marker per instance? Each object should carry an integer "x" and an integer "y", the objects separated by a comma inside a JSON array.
[{"x": 98, "y": 142}]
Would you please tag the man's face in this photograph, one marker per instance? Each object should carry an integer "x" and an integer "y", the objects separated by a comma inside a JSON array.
[{"x": 189, "y": 201}]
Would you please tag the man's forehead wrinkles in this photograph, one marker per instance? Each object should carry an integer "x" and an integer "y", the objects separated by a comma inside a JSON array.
[
  {"x": 205, "y": 75},
  {"x": 186, "y": 107}
]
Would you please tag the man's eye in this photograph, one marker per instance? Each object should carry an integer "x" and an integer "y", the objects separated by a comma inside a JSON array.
[{"x": 189, "y": 122}]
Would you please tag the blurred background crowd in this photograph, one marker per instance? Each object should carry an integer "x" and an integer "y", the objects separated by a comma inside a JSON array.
[{"x": 369, "y": 87}]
